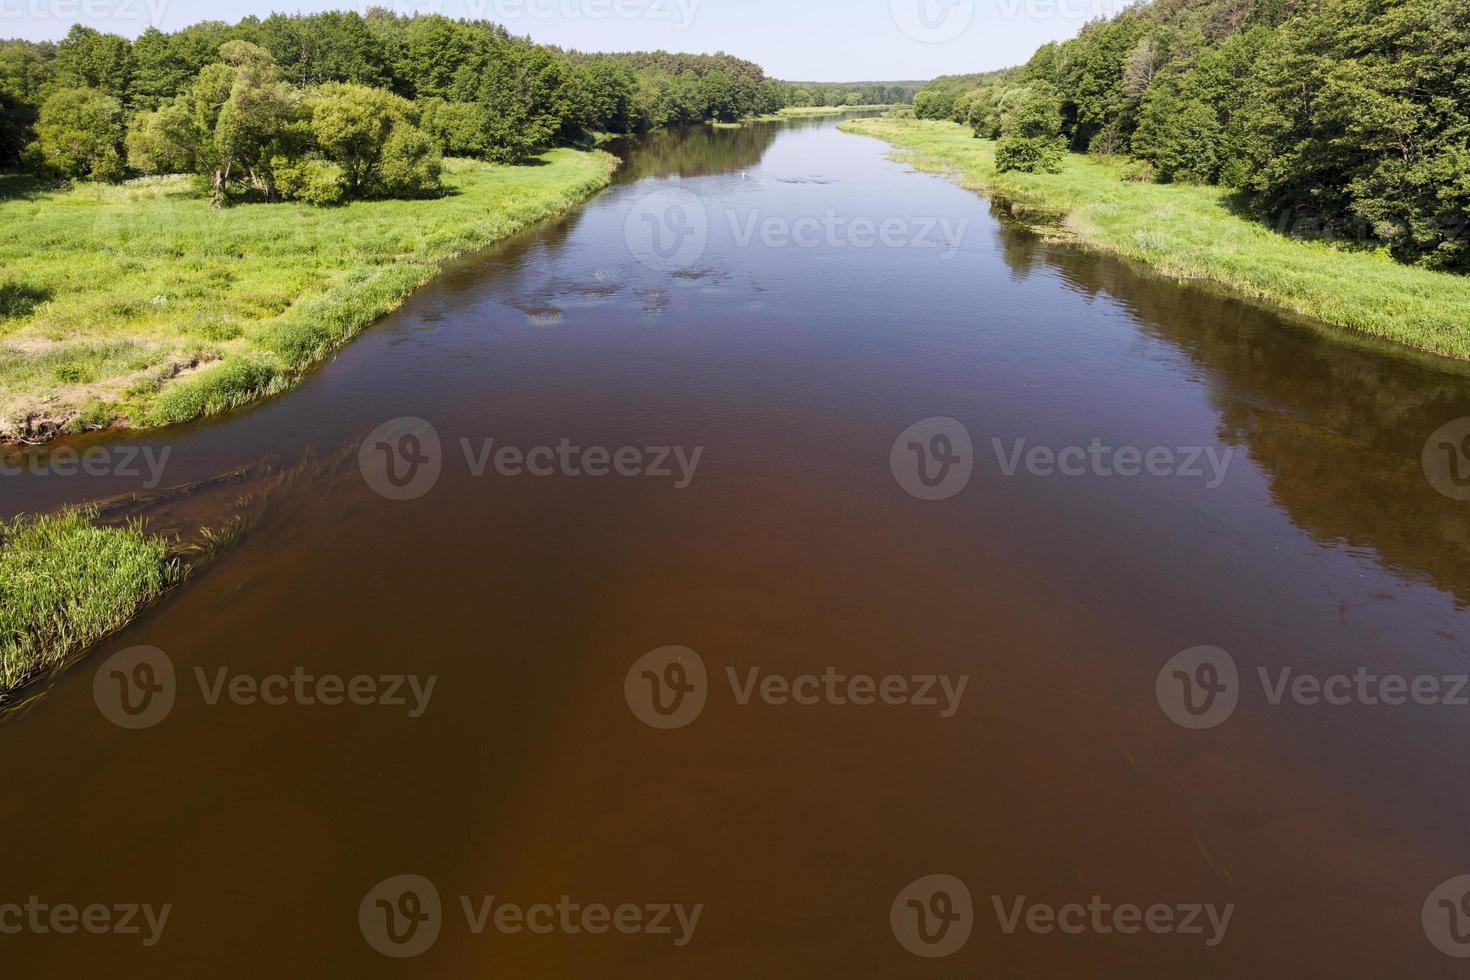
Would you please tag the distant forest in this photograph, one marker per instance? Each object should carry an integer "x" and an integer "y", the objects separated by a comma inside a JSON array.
[
  {"x": 338, "y": 105},
  {"x": 1349, "y": 119}
]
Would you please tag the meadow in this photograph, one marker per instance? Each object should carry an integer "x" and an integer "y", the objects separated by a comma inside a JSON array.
[
  {"x": 140, "y": 304},
  {"x": 1199, "y": 233}
]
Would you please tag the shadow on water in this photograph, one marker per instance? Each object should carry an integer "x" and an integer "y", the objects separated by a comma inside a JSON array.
[{"x": 1338, "y": 423}]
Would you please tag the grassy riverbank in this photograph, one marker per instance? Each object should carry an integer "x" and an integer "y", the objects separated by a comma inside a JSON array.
[
  {"x": 66, "y": 583},
  {"x": 1190, "y": 232},
  {"x": 817, "y": 112},
  {"x": 142, "y": 305}
]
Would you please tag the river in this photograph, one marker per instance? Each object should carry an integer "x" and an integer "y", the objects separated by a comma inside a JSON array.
[{"x": 713, "y": 381}]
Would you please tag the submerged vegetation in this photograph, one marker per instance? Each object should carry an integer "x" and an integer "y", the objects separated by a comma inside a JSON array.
[
  {"x": 1197, "y": 233},
  {"x": 66, "y": 583}
]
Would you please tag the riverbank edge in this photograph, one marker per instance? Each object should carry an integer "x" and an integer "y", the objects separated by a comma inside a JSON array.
[
  {"x": 1421, "y": 310},
  {"x": 801, "y": 112},
  {"x": 319, "y": 326},
  {"x": 69, "y": 583}
]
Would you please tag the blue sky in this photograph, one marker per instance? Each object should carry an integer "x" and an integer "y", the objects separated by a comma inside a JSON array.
[{"x": 816, "y": 40}]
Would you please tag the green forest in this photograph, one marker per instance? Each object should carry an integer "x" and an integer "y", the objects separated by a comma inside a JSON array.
[
  {"x": 1342, "y": 120},
  {"x": 338, "y": 106}
]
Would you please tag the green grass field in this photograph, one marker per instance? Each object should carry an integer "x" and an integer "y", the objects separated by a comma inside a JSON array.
[
  {"x": 65, "y": 583},
  {"x": 142, "y": 305},
  {"x": 1192, "y": 233}
]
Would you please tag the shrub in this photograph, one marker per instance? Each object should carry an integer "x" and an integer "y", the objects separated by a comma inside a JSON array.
[
  {"x": 312, "y": 181},
  {"x": 1031, "y": 135},
  {"x": 80, "y": 134},
  {"x": 1139, "y": 171},
  {"x": 411, "y": 165},
  {"x": 457, "y": 127},
  {"x": 161, "y": 142}
]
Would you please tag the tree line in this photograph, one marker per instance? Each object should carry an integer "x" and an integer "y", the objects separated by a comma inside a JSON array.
[
  {"x": 1339, "y": 119},
  {"x": 837, "y": 94},
  {"x": 338, "y": 105}
]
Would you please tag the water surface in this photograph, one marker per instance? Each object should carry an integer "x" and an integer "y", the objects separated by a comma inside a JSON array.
[{"x": 793, "y": 549}]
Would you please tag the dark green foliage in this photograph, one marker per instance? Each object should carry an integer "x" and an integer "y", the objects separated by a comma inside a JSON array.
[
  {"x": 1180, "y": 137},
  {"x": 312, "y": 180},
  {"x": 1031, "y": 134},
  {"x": 1359, "y": 119},
  {"x": 410, "y": 166},
  {"x": 379, "y": 95},
  {"x": 88, "y": 59},
  {"x": 79, "y": 134},
  {"x": 832, "y": 94},
  {"x": 1340, "y": 118},
  {"x": 327, "y": 47}
]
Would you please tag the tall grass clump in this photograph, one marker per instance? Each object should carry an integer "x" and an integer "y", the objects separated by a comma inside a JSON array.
[{"x": 66, "y": 583}]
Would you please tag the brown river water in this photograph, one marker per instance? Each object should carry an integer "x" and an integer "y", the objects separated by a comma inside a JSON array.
[{"x": 907, "y": 648}]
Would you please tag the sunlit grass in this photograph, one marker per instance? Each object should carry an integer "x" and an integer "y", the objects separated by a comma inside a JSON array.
[
  {"x": 1192, "y": 233},
  {"x": 66, "y": 583},
  {"x": 141, "y": 302}
]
